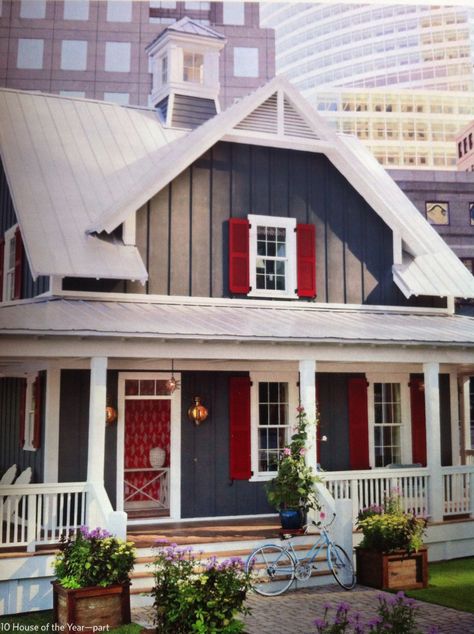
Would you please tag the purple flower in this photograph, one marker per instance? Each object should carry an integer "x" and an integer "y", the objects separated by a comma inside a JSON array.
[{"x": 320, "y": 623}]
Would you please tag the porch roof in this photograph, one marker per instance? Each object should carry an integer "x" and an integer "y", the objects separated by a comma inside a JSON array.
[{"x": 232, "y": 320}]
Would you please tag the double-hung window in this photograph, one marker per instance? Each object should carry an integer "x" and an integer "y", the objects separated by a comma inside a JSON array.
[
  {"x": 274, "y": 401},
  {"x": 11, "y": 251},
  {"x": 272, "y": 256},
  {"x": 389, "y": 414}
]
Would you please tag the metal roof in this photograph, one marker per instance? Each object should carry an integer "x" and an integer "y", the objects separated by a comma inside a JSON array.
[
  {"x": 229, "y": 321},
  {"x": 66, "y": 161}
]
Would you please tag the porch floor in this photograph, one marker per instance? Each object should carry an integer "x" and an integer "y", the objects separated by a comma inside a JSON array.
[{"x": 205, "y": 532}]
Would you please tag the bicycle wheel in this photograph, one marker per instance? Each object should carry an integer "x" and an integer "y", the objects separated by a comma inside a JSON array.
[
  {"x": 273, "y": 569},
  {"x": 340, "y": 564}
]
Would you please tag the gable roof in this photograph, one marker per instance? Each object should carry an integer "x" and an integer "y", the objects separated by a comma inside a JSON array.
[
  {"x": 66, "y": 162},
  {"x": 102, "y": 162}
]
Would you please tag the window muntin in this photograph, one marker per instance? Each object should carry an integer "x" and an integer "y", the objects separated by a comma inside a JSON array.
[
  {"x": 273, "y": 423},
  {"x": 272, "y": 256},
  {"x": 437, "y": 213},
  {"x": 193, "y": 67},
  {"x": 387, "y": 423}
]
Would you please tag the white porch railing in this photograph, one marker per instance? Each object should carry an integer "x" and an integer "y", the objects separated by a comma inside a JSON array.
[
  {"x": 40, "y": 514},
  {"x": 365, "y": 488}
]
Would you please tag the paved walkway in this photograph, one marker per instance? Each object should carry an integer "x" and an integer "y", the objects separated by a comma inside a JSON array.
[{"x": 294, "y": 612}]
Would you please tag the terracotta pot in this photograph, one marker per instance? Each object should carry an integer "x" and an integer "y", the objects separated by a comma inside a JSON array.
[
  {"x": 392, "y": 571},
  {"x": 93, "y": 606}
]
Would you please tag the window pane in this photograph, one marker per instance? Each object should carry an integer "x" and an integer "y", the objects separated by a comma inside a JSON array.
[
  {"x": 273, "y": 419},
  {"x": 388, "y": 420}
]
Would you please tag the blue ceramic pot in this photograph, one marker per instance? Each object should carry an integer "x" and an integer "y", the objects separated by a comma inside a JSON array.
[{"x": 292, "y": 518}]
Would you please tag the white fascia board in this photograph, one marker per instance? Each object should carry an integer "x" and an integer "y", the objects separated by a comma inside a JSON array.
[
  {"x": 285, "y": 142},
  {"x": 66, "y": 347}
]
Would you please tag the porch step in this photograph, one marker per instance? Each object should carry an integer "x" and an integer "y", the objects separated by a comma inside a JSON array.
[{"x": 142, "y": 576}]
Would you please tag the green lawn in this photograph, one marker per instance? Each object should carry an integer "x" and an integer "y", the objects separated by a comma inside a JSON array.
[
  {"x": 451, "y": 583},
  {"x": 43, "y": 621}
]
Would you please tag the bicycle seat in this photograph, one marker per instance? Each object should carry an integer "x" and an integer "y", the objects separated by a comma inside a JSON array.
[{"x": 288, "y": 533}]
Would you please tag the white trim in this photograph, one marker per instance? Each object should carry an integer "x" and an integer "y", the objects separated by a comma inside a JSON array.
[
  {"x": 8, "y": 271},
  {"x": 175, "y": 440},
  {"x": 29, "y": 420},
  {"x": 255, "y": 379},
  {"x": 184, "y": 300},
  {"x": 289, "y": 224},
  {"x": 185, "y": 520},
  {"x": 286, "y": 142},
  {"x": 129, "y": 230},
  {"x": 405, "y": 427}
]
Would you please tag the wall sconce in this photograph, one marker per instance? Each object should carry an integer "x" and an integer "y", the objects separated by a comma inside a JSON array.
[
  {"x": 197, "y": 412},
  {"x": 172, "y": 384},
  {"x": 110, "y": 415}
]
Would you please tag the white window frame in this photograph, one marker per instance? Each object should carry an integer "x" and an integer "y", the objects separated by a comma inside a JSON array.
[
  {"x": 30, "y": 413},
  {"x": 290, "y": 270},
  {"x": 9, "y": 271},
  {"x": 405, "y": 426},
  {"x": 261, "y": 377}
]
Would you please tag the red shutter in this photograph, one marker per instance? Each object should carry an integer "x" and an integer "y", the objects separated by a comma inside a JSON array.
[
  {"x": 18, "y": 264},
  {"x": 2, "y": 264},
  {"x": 37, "y": 425},
  {"x": 306, "y": 260},
  {"x": 22, "y": 412},
  {"x": 358, "y": 423},
  {"x": 239, "y": 414},
  {"x": 239, "y": 280},
  {"x": 418, "y": 421}
]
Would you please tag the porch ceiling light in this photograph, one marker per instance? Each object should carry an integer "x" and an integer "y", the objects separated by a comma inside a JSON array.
[
  {"x": 197, "y": 412},
  {"x": 172, "y": 384}
]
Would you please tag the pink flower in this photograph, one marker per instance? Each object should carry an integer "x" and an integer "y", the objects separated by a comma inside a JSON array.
[
  {"x": 303, "y": 450},
  {"x": 322, "y": 515},
  {"x": 300, "y": 409},
  {"x": 287, "y": 451}
]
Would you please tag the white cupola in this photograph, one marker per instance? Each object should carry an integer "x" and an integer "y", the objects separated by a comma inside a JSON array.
[{"x": 184, "y": 61}]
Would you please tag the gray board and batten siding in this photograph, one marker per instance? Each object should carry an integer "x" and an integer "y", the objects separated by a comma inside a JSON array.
[
  {"x": 182, "y": 232},
  {"x": 29, "y": 286},
  {"x": 11, "y": 452}
]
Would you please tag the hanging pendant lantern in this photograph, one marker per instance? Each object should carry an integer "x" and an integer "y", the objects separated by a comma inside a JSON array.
[
  {"x": 172, "y": 384},
  {"x": 197, "y": 412}
]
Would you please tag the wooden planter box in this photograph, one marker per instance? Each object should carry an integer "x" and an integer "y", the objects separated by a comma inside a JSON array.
[
  {"x": 392, "y": 571},
  {"x": 94, "y": 606}
]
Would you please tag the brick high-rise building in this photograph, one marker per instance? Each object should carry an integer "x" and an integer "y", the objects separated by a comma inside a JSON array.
[{"x": 96, "y": 48}]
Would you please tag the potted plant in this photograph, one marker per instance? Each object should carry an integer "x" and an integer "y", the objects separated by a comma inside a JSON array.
[
  {"x": 92, "y": 586},
  {"x": 192, "y": 594},
  {"x": 390, "y": 555},
  {"x": 292, "y": 492}
]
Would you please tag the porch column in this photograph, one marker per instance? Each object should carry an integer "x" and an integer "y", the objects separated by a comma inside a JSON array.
[
  {"x": 97, "y": 404},
  {"x": 465, "y": 384},
  {"x": 307, "y": 369},
  {"x": 51, "y": 421},
  {"x": 433, "y": 440}
]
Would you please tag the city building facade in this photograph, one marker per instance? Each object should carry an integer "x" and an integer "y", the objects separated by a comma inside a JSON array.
[
  {"x": 465, "y": 145},
  {"x": 97, "y": 49},
  {"x": 340, "y": 53}
]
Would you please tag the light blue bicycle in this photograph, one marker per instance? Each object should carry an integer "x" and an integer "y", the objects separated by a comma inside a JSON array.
[{"x": 275, "y": 567}]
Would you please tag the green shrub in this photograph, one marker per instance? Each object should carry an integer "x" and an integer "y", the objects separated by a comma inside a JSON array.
[
  {"x": 93, "y": 558},
  {"x": 192, "y": 595}
]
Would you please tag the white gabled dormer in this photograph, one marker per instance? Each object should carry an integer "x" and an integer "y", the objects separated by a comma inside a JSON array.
[{"x": 184, "y": 61}]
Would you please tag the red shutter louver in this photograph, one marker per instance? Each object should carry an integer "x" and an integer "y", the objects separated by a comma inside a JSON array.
[
  {"x": 358, "y": 423},
  {"x": 239, "y": 280},
  {"x": 418, "y": 421},
  {"x": 239, "y": 415},
  {"x": 306, "y": 260},
  {"x": 37, "y": 415},
  {"x": 18, "y": 264},
  {"x": 2, "y": 264},
  {"x": 22, "y": 412}
]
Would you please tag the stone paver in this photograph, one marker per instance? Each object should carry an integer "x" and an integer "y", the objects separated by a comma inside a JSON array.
[{"x": 294, "y": 612}]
